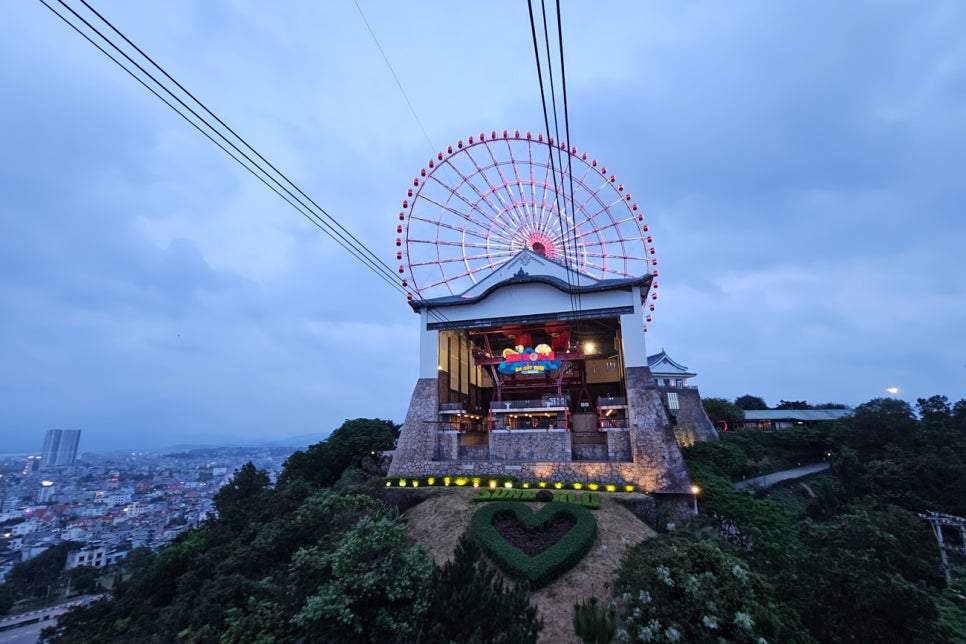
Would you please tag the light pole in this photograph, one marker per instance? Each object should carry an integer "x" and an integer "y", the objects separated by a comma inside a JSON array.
[{"x": 695, "y": 490}]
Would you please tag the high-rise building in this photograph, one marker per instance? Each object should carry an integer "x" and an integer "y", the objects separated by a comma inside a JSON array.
[{"x": 60, "y": 447}]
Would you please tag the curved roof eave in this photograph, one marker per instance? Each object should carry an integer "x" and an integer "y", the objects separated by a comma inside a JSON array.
[{"x": 559, "y": 284}]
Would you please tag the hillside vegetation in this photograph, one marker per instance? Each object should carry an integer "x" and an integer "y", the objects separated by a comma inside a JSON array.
[{"x": 323, "y": 555}]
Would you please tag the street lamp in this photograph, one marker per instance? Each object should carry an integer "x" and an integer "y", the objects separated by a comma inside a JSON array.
[{"x": 695, "y": 490}]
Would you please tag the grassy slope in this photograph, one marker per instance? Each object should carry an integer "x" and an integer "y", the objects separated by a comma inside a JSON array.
[{"x": 438, "y": 522}]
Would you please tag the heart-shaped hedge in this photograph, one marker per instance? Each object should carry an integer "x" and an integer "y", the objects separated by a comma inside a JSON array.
[{"x": 546, "y": 566}]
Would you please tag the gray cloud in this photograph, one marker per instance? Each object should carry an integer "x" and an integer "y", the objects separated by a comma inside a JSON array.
[{"x": 800, "y": 164}]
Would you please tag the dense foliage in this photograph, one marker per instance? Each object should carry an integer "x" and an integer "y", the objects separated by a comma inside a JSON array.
[
  {"x": 301, "y": 562},
  {"x": 842, "y": 556},
  {"x": 721, "y": 411},
  {"x": 43, "y": 579},
  {"x": 849, "y": 561}
]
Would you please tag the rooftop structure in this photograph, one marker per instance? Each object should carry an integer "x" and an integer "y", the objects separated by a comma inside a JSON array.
[{"x": 772, "y": 419}]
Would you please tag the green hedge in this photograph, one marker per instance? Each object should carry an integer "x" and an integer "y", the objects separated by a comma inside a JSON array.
[
  {"x": 549, "y": 564},
  {"x": 589, "y": 500}
]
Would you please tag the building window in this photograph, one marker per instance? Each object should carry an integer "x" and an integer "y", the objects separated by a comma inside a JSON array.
[
  {"x": 679, "y": 382},
  {"x": 672, "y": 401}
]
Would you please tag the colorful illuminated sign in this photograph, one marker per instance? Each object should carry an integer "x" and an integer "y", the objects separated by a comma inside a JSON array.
[{"x": 527, "y": 361}]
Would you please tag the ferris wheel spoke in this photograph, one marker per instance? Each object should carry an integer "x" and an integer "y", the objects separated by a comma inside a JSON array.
[
  {"x": 457, "y": 229},
  {"x": 499, "y": 170},
  {"x": 494, "y": 189},
  {"x": 453, "y": 191},
  {"x": 465, "y": 216},
  {"x": 466, "y": 181},
  {"x": 611, "y": 256},
  {"x": 461, "y": 258},
  {"x": 467, "y": 273},
  {"x": 605, "y": 269},
  {"x": 592, "y": 218}
]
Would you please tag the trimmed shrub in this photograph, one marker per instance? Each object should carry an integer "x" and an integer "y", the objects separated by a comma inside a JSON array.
[{"x": 546, "y": 566}]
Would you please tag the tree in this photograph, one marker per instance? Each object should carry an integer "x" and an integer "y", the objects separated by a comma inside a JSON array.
[
  {"x": 934, "y": 409},
  {"x": 470, "y": 602},
  {"x": 323, "y": 463},
  {"x": 31, "y": 578},
  {"x": 750, "y": 402},
  {"x": 593, "y": 623},
  {"x": 876, "y": 423},
  {"x": 677, "y": 587},
  {"x": 376, "y": 591},
  {"x": 237, "y": 501},
  {"x": 719, "y": 409},
  {"x": 792, "y": 404},
  {"x": 866, "y": 577}
]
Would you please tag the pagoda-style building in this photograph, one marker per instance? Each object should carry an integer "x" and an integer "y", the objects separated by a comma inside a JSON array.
[{"x": 541, "y": 372}]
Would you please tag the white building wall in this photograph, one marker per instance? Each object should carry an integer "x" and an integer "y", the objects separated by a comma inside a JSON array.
[{"x": 632, "y": 334}]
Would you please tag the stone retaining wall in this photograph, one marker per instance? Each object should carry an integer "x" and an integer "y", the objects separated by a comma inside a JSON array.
[{"x": 647, "y": 456}]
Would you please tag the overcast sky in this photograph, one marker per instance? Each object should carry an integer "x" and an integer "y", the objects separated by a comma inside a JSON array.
[{"x": 803, "y": 165}]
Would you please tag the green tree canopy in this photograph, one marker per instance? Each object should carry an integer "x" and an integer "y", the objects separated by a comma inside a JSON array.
[
  {"x": 323, "y": 463},
  {"x": 682, "y": 588},
  {"x": 792, "y": 404},
  {"x": 750, "y": 402},
  {"x": 719, "y": 409}
]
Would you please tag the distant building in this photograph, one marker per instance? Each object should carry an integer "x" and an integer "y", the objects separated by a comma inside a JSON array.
[
  {"x": 94, "y": 557},
  {"x": 772, "y": 419},
  {"x": 46, "y": 493},
  {"x": 60, "y": 447},
  {"x": 667, "y": 372},
  {"x": 682, "y": 401}
]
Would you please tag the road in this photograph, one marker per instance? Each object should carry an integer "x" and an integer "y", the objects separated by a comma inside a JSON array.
[
  {"x": 770, "y": 479},
  {"x": 29, "y": 633}
]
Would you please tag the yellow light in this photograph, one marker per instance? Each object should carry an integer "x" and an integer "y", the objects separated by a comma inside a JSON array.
[
  {"x": 589, "y": 348},
  {"x": 542, "y": 484},
  {"x": 695, "y": 489},
  {"x": 476, "y": 484},
  {"x": 526, "y": 485},
  {"x": 508, "y": 484},
  {"x": 402, "y": 482},
  {"x": 492, "y": 484},
  {"x": 629, "y": 488},
  {"x": 577, "y": 486},
  {"x": 388, "y": 483},
  {"x": 462, "y": 480},
  {"x": 415, "y": 483},
  {"x": 431, "y": 481},
  {"x": 611, "y": 488},
  {"x": 558, "y": 485},
  {"x": 593, "y": 486},
  {"x": 446, "y": 481}
]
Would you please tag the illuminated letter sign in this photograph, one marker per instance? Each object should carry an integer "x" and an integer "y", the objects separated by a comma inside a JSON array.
[{"x": 527, "y": 361}]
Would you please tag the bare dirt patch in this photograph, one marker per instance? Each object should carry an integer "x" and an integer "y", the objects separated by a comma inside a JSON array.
[{"x": 438, "y": 523}]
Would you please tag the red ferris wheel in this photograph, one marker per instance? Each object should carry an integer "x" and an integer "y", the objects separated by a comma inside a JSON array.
[{"x": 484, "y": 200}]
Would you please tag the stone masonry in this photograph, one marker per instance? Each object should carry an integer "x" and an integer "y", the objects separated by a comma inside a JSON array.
[
  {"x": 692, "y": 424},
  {"x": 654, "y": 464}
]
